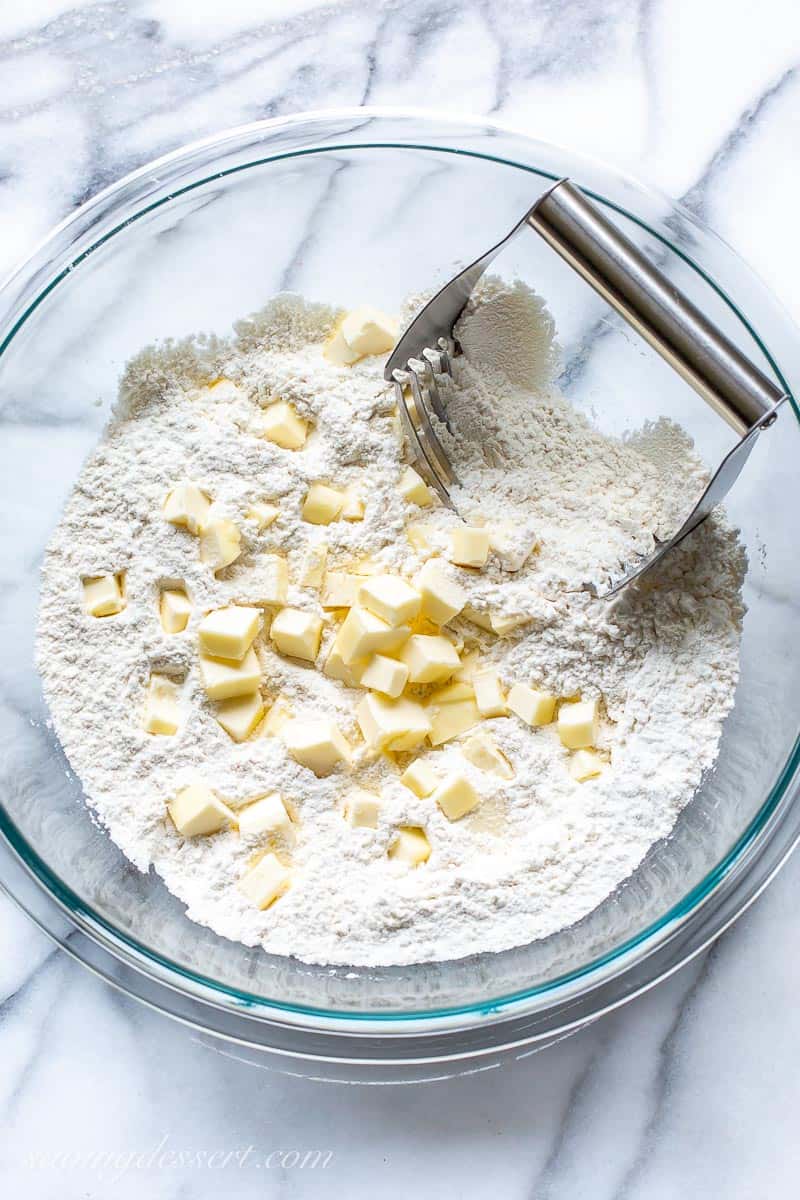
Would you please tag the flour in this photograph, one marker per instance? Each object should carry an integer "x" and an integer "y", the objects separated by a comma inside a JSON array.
[{"x": 540, "y": 851}]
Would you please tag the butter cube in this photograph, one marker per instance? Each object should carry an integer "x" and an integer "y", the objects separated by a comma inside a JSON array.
[
  {"x": 429, "y": 658},
  {"x": 337, "y": 351},
  {"x": 469, "y": 547},
  {"x": 504, "y": 625},
  {"x": 489, "y": 694},
  {"x": 363, "y": 634},
  {"x": 262, "y": 514},
  {"x": 392, "y": 724},
  {"x": 224, "y": 678},
  {"x": 414, "y": 489},
  {"x": 283, "y": 426},
  {"x": 266, "y": 814},
  {"x": 229, "y": 632},
  {"x": 161, "y": 713},
  {"x": 276, "y": 718},
  {"x": 196, "y": 811},
  {"x": 322, "y": 504},
  {"x": 578, "y": 724},
  {"x": 174, "y": 610},
  {"x": 336, "y": 668},
  {"x": 533, "y": 707},
  {"x": 452, "y": 692},
  {"x": 420, "y": 778},
  {"x": 361, "y": 810},
  {"x": 483, "y": 752},
  {"x": 585, "y": 764},
  {"x": 265, "y": 882},
  {"x": 456, "y": 797},
  {"x": 410, "y": 846},
  {"x": 469, "y": 665},
  {"x": 272, "y": 581},
  {"x": 241, "y": 716},
  {"x": 442, "y": 598},
  {"x": 385, "y": 675},
  {"x": 313, "y": 570},
  {"x": 353, "y": 506},
  {"x": 367, "y": 330},
  {"x": 340, "y": 589},
  {"x": 102, "y": 595},
  {"x": 418, "y": 537},
  {"x": 390, "y": 598},
  {"x": 220, "y": 543},
  {"x": 451, "y": 720},
  {"x": 186, "y": 505},
  {"x": 482, "y": 619},
  {"x": 316, "y": 744},
  {"x": 297, "y": 633}
]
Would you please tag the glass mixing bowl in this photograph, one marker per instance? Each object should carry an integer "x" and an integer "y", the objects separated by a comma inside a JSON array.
[{"x": 351, "y": 207}]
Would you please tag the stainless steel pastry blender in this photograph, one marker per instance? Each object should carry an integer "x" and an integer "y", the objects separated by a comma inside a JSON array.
[{"x": 595, "y": 248}]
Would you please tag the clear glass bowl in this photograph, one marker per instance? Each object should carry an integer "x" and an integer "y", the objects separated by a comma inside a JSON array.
[{"x": 349, "y": 207}]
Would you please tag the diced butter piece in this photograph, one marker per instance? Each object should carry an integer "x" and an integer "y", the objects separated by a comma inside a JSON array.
[
  {"x": 585, "y": 764},
  {"x": 174, "y": 610},
  {"x": 276, "y": 718},
  {"x": 186, "y": 505},
  {"x": 317, "y": 744},
  {"x": 196, "y": 811},
  {"x": 456, "y": 797},
  {"x": 390, "y": 598},
  {"x": 469, "y": 665},
  {"x": 577, "y": 724},
  {"x": 429, "y": 658},
  {"x": 363, "y": 634},
  {"x": 410, "y": 846},
  {"x": 161, "y": 712},
  {"x": 271, "y": 586},
  {"x": 229, "y": 632},
  {"x": 453, "y": 719},
  {"x": 483, "y": 752},
  {"x": 489, "y": 694},
  {"x": 322, "y": 504},
  {"x": 420, "y": 778},
  {"x": 265, "y": 814},
  {"x": 102, "y": 595},
  {"x": 366, "y": 566},
  {"x": 336, "y": 668},
  {"x": 482, "y": 619},
  {"x": 353, "y": 506},
  {"x": 442, "y": 598},
  {"x": 283, "y": 426},
  {"x": 386, "y": 675},
  {"x": 241, "y": 716},
  {"x": 266, "y": 882},
  {"x": 418, "y": 537},
  {"x": 452, "y": 692},
  {"x": 224, "y": 678},
  {"x": 220, "y": 543},
  {"x": 413, "y": 488},
  {"x": 337, "y": 351},
  {"x": 367, "y": 330},
  {"x": 313, "y": 569},
  {"x": 512, "y": 543},
  {"x": 297, "y": 633},
  {"x": 262, "y": 514},
  {"x": 340, "y": 589},
  {"x": 392, "y": 724},
  {"x": 532, "y": 706},
  {"x": 469, "y": 547},
  {"x": 504, "y": 625},
  {"x": 361, "y": 810}
]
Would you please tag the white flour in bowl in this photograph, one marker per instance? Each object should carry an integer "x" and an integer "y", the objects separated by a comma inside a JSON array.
[{"x": 541, "y": 850}]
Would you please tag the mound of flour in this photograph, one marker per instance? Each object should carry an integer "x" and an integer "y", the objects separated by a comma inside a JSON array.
[{"x": 540, "y": 851}]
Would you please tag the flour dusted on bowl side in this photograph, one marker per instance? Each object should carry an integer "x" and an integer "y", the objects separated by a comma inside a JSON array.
[{"x": 486, "y": 829}]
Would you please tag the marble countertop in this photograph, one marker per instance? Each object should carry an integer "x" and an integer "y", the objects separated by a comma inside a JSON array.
[{"x": 690, "y": 1090}]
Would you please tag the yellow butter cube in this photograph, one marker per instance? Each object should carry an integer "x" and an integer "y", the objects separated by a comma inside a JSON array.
[
  {"x": 451, "y": 720},
  {"x": 483, "y": 752},
  {"x": 361, "y": 810},
  {"x": 241, "y": 716},
  {"x": 429, "y": 658},
  {"x": 229, "y": 632},
  {"x": 392, "y": 724},
  {"x": 418, "y": 537},
  {"x": 353, "y": 506},
  {"x": 367, "y": 330},
  {"x": 322, "y": 504},
  {"x": 174, "y": 610},
  {"x": 220, "y": 543},
  {"x": 452, "y": 692},
  {"x": 186, "y": 505},
  {"x": 336, "y": 668},
  {"x": 363, "y": 634},
  {"x": 276, "y": 718},
  {"x": 468, "y": 667},
  {"x": 390, "y": 598},
  {"x": 442, "y": 598},
  {"x": 456, "y": 797},
  {"x": 478, "y": 617},
  {"x": 102, "y": 595},
  {"x": 340, "y": 589},
  {"x": 410, "y": 846},
  {"x": 489, "y": 693},
  {"x": 469, "y": 547},
  {"x": 266, "y": 814},
  {"x": 283, "y": 426},
  {"x": 317, "y": 744},
  {"x": 161, "y": 712},
  {"x": 413, "y": 488},
  {"x": 262, "y": 514},
  {"x": 420, "y": 778},
  {"x": 225, "y": 678},
  {"x": 585, "y": 764},
  {"x": 337, "y": 351},
  {"x": 313, "y": 569},
  {"x": 578, "y": 724},
  {"x": 385, "y": 675},
  {"x": 297, "y": 633},
  {"x": 505, "y": 625},
  {"x": 532, "y": 706},
  {"x": 196, "y": 811},
  {"x": 266, "y": 882}
]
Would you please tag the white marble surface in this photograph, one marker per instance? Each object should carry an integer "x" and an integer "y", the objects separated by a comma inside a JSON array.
[{"x": 691, "y": 1090}]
